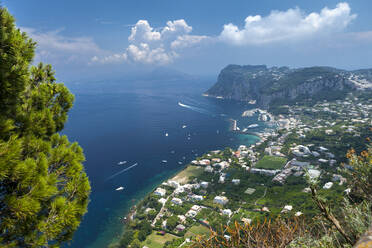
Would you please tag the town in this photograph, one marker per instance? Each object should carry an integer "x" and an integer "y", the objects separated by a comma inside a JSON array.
[{"x": 264, "y": 180}]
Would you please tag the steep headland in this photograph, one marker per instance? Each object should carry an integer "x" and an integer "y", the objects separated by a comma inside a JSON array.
[{"x": 274, "y": 85}]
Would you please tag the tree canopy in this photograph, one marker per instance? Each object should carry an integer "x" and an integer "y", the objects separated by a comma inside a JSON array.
[{"x": 44, "y": 191}]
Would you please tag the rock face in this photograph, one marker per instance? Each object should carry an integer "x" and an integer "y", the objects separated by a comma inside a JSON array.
[{"x": 282, "y": 84}]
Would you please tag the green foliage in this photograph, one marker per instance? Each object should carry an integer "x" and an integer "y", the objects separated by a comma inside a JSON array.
[
  {"x": 16, "y": 53},
  {"x": 174, "y": 243},
  {"x": 44, "y": 190},
  {"x": 172, "y": 222},
  {"x": 271, "y": 163}
]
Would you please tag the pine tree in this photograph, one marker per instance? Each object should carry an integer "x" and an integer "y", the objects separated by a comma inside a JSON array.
[{"x": 44, "y": 191}]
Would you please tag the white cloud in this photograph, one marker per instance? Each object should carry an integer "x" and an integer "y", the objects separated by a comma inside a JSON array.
[
  {"x": 292, "y": 24},
  {"x": 148, "y": 46},
  {"x": 53, "y": 47}
]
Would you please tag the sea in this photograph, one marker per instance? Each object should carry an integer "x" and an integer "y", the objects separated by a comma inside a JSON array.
[{"x": 142, "y": 123}]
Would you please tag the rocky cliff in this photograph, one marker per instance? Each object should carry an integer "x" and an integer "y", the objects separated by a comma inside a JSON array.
[{"x": 282, "y": 84}]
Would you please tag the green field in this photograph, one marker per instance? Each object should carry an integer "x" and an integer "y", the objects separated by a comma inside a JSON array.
[
  {"x": 271, "y": 163},
  {"x": 197, "y": 230},
  {"x": 157, "y": 241},
  {"x": 190, "y": 171}
]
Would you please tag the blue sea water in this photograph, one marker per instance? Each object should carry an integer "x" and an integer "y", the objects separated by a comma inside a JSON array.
[{"x": 127, "y": 120}]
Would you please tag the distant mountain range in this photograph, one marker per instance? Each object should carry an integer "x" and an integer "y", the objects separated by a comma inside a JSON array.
[{"x": 275, "y": 85}]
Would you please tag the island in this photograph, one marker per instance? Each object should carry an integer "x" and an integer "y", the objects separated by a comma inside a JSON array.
[{"x": 249, "y": 184}]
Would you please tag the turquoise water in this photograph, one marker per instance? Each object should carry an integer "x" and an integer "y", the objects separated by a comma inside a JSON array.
[{"x": 127, "y": 121}]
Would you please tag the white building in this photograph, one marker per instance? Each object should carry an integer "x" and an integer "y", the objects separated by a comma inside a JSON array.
[
  {"x": 176, "y": 201},
  {"x": 287, "y": 208},
  {"x": 222, "y": 179},
  {"x": 196, "y": 208},
  {"x": 173, "y": 184},
  {"x": 162, "y": 200},
  {"x": 227, "y": 212},
  {"x": 164, "y": 224},
  {"x": 328, "y": 185},
  {"x": 314, "y": 173},
  {"x": 208, "y": 169},
  {"x": 160, "y": 192},
  {"x": 204, "y": 184},
  {"x": 236, "y": 181},
  {"x": 246, "y": 221},
  {"x": 220, "y": 200},
  {"x": 182, "y": 218},
  {"x": 191, "y": 213},
  {"x": 205, "y": 162},
  {"x": 196, "y": 197}
]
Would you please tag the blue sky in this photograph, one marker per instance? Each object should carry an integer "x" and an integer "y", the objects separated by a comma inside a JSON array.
[{"x": 103, "y": 38}]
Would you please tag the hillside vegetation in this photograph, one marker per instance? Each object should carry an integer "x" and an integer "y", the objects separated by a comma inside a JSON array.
[{"x": 44, "y": 191}]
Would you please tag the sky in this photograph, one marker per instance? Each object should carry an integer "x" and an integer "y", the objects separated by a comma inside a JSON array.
[{"x": 100, "y": 39}]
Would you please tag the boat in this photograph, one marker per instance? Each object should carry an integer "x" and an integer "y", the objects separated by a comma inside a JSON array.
[
  {"x": 184, "y": 126},
  {"x": 181, "y": 104},
  {"x": 253, "y": 126},
  {"x": 120, "y": 188},
  {"x": 122, "y": 162},
  {"x": 164, "y": 161},
  {"x": 166, "y": 134},
  {"x": 179, "y": 162}
]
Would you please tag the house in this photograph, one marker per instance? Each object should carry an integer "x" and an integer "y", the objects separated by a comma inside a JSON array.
[
  {"x": 164, "y": 224},
  {"x": 246, "y": 221},
  {"x": 162, "y": 200},
  {"x": 179, "y": 190},
  {"x": 222, "y": 179},
  {"x": 236, "y": 181},
  {"x": 220, "y": 200},
  {"x": 264, "y": 172},
  {"x": 313, "y": 173},
  {"x": 205, "y": 162},
  {"x": 204, "y": 185},
  {"x": 176, "y": 201},
  {"x": 196, "y": 208},
  {"x": 328, "y": 185},
  {"x": 216, "y": 160},
  {"x": 182, "y": 218},
  {"x": 148, "y": 210},
  {"x": 196, "y": 197},
  {"x": 208, "y": 169},
  {"x": 180, "y": 227},
  {"x": 191, "y": 213},
  {"x": 160, "y": 192},
  {"x": 265, "y": 209},
  {"x": 322, "y": 149},
  {"x": 173, "y": 184},
  {"x": 227, "y": 212},
  {"x": 287, "y": 208},
  {"x": 329, "y": 131}
]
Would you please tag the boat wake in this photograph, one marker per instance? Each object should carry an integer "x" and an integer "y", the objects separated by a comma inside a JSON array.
[
  {"x": 122, "y": 171},
  {"x": 196, "y": 109}
]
